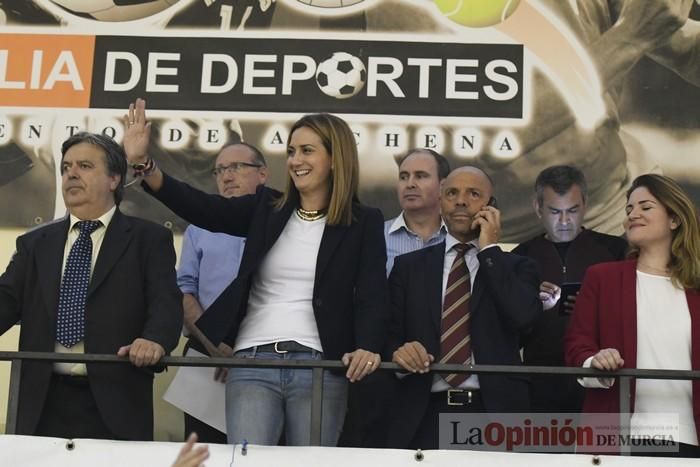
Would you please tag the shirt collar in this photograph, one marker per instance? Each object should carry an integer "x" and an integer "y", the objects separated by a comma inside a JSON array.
[
  {"x": 105, "y": 218},
  {"x": 400, "y": 222},
  {"x": 450, "y": 242}
]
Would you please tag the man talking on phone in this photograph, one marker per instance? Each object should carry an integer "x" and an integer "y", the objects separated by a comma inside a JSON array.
[
  {"x": 563, "y": 253},
  {"x": 462, "y": 301}
]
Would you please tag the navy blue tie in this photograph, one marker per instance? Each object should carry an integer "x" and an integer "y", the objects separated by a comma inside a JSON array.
[{"x": 70, "y": 320}]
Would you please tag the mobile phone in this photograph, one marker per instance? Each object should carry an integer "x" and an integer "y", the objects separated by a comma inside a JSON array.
[
  {"x": 567, "y": 288},
  {"x": 493, "y": 203}
]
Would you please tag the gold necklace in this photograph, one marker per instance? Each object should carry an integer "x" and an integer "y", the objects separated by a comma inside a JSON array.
[
  {"x": 306, "y": 215},
  {"x": 665, "y": 272}
]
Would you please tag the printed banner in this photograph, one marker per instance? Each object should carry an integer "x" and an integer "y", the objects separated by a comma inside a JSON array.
[{"x": 511, "y": 86}]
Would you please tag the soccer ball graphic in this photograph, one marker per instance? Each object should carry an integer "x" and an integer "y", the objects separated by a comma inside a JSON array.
[
  {"x": 331, "y": 7},
  {"x": 108, "y": 10},
  {"x": 338, "y": 4},
  {"x": 341, "y": 75}
]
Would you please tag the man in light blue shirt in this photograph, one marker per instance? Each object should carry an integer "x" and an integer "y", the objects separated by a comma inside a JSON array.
[
  {"x": 419, "y": 224},
  {"x": 209, "y": 261}
]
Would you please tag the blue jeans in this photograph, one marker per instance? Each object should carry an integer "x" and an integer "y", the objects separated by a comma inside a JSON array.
[{"x": 260, "y": 402}]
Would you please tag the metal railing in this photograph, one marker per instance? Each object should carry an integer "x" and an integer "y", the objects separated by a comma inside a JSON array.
[{"x": 624, "y": 376}]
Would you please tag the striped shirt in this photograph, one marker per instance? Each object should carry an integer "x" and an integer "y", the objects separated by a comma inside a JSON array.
[{"x": 400, "y": 239}]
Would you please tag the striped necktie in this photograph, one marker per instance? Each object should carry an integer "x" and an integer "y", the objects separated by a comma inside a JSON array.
[{"x": 455, "y": 339}]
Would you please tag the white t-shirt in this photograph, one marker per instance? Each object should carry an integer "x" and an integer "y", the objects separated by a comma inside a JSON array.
[
  {"x": 663, "y": 342},
  {"x": 280, "y": 301}
]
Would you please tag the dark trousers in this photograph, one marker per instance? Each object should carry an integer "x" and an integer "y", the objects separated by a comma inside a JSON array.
[
  {"x": 205, "y": 433},
  {"x": 70, "y": 411},
  {"x": 427, "y": 436},
  {"x": 366, "y": 421}
]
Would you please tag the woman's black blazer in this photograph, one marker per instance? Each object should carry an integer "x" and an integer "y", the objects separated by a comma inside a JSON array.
[{"x": 350, "y": 294}]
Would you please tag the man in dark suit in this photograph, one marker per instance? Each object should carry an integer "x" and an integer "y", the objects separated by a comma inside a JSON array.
[
  {"x": 491, "y": 297},
  {"x": 96, "y": 281}
]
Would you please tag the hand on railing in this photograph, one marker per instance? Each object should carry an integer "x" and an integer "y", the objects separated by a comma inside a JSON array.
[
  {"x": 607, "y": 359},
  {"x": 360, "y": 363},
  {"x": 142, "y": 352},
  {"x": 223, "y": 350},
  {"x": 413, "y": 357}
]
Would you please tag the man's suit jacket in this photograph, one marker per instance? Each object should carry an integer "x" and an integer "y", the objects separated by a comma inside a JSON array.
[
  {"x": 504, "y": 302},
  {"x": 132, "y": 293},
  {"x": 606, "y": 317},
  {"x": 350, "y": 288}
]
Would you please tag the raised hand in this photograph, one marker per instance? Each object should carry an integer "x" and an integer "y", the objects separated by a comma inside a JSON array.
[{"x": 137, "y": 133}]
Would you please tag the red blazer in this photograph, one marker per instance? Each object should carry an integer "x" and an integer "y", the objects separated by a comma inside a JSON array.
[{"x": 606, "y": 317}]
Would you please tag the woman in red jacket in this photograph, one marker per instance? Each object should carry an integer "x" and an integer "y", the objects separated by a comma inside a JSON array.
[{"x": 645, "y": 313}]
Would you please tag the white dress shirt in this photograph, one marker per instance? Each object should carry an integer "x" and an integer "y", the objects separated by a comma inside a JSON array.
[
  {"x": 79, "y": 369},
  {"x": 439, "y": 383}
]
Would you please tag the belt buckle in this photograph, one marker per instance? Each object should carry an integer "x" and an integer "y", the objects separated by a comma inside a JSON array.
[
  {"x": 455, "y": 391},
  {"x": 280, "y": 351}
]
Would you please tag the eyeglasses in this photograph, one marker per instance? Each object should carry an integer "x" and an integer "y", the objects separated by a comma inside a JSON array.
[{"x": 235, "y": 167}]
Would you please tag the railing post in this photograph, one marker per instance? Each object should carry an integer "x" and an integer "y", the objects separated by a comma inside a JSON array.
[
  {"x": 625, "y": 412},
  {"x": 316, "y": 406},
  {"x": 13, "y": 398}
]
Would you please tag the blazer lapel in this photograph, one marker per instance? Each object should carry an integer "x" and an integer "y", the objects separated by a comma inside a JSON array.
[
  {"x": 435, "y": 260},
  {"x": 629, "y": 314},
  {"x": 117, "y": 237},
  {"x": 49, "y": 258},
  {"x": 477, "y": 292},
  {"x": 332, "y": 236},
  {"x": 275, "y": 224},
  {"x": 693, "y": 297}
]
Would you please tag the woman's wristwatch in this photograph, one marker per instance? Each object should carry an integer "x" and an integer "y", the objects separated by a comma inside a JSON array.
[{"x": 144, "y": 169}]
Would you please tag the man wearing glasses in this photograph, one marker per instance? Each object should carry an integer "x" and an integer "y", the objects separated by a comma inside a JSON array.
[{"x": 209, "y": 261}]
